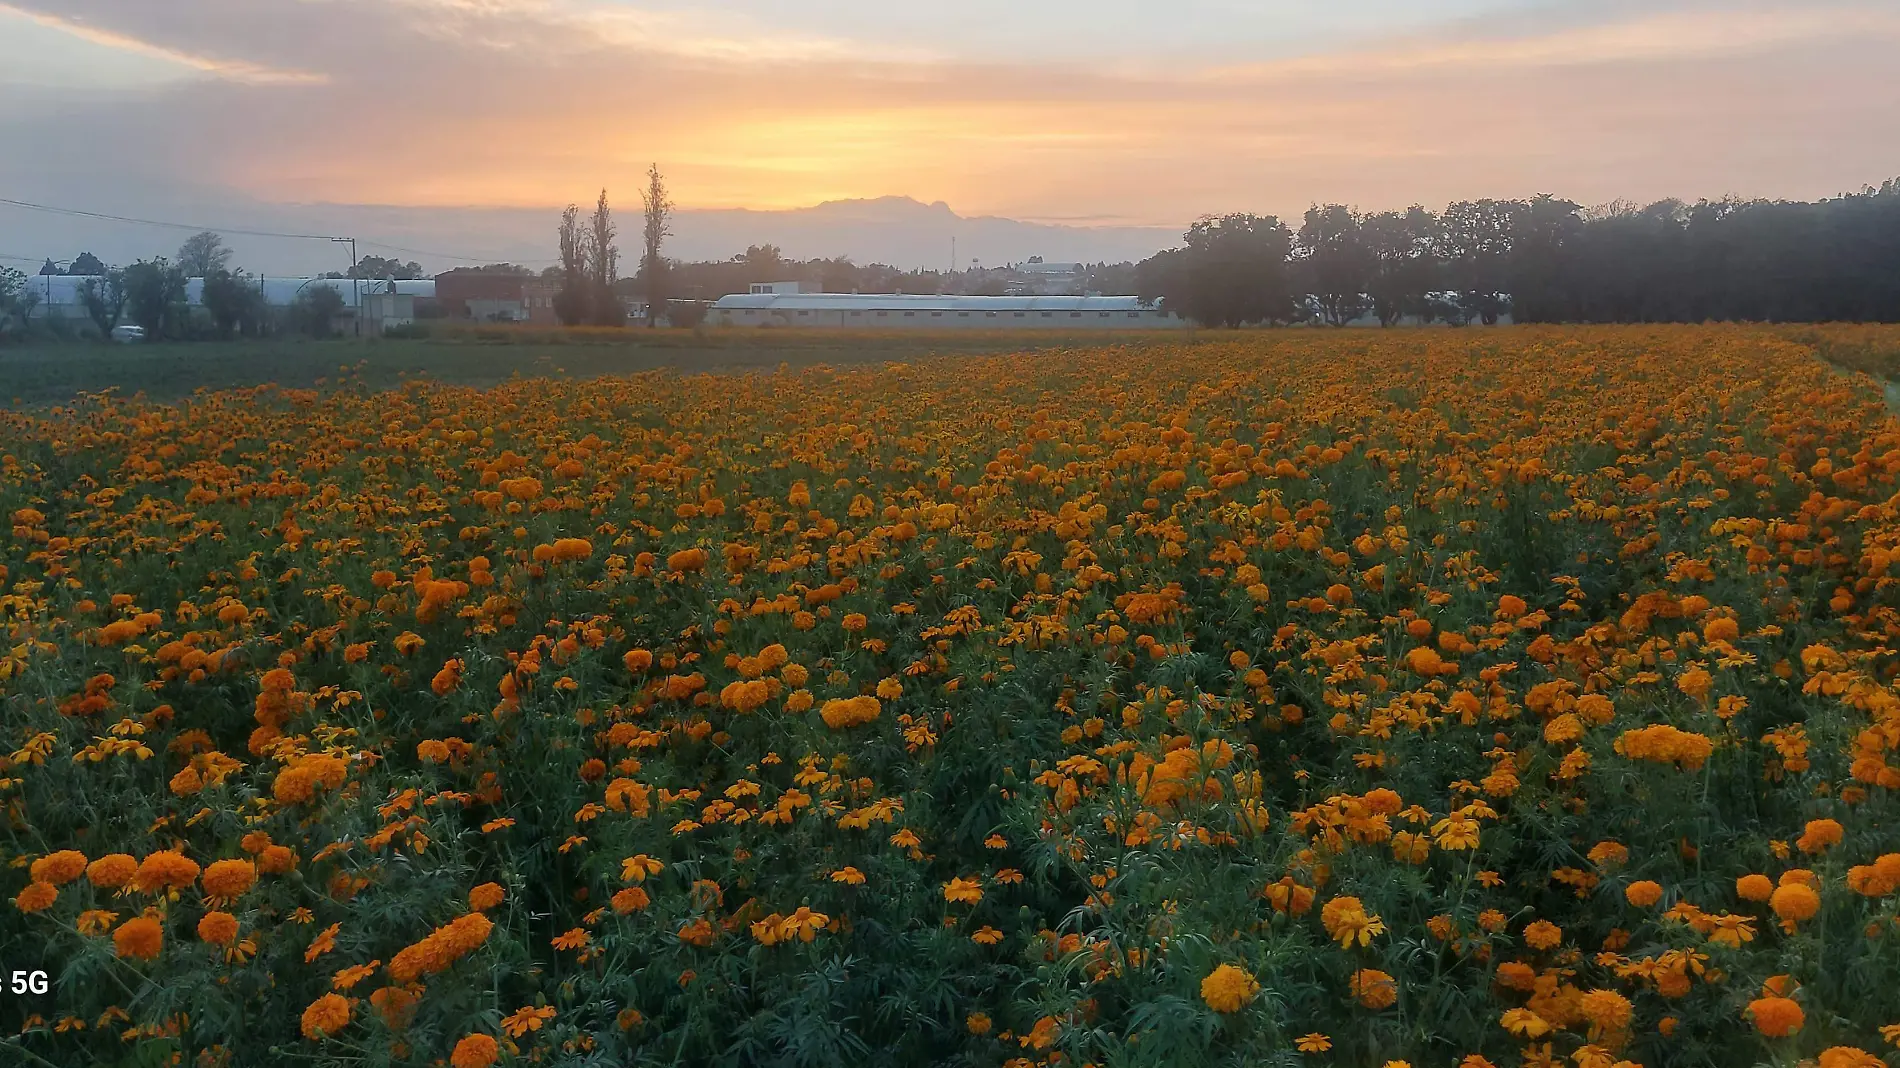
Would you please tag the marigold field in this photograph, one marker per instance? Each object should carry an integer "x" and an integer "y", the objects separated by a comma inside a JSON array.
[{"x": 1332, "y": 699}]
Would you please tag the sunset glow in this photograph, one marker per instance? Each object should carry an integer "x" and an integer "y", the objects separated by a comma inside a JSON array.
[{"x": 1113, "y": 114}]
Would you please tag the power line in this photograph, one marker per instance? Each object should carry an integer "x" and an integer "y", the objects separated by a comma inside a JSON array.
[
  {"x": 154, "y": 222},
  {"x": 30, "y": 206}
]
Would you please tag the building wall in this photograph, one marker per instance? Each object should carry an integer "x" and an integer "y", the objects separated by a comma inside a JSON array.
[
  {"x": 459, "y": 291},
  {"x": 538, "y": 298},
  {"x": 485, "y": 310}
]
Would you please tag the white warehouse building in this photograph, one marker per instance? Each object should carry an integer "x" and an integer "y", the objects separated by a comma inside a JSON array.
[{"x": 892, "y": 311}]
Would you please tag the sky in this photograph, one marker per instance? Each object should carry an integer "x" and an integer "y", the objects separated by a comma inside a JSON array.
[{"x": 1111, "y": 113}]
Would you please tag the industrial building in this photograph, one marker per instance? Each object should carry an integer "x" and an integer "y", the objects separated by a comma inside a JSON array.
[
  {"x": 383, "y": 303},
  {"x": 897, "y": 311}
]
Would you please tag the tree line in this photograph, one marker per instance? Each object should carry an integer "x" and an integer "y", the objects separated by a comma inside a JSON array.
[
  {"x": 589, "y": 272},
  {"x": 1542, "y": 260},
  {"x": 151, "y": 294}
]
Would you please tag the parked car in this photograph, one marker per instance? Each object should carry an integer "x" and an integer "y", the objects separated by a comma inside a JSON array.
[{"x": 126, "y": 335}]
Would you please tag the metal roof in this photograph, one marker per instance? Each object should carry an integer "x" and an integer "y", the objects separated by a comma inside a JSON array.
[{"x": 912, "y": 303}]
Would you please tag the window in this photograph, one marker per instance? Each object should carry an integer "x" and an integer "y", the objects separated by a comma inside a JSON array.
[
  {"x": 910, "y": 315},
  {"x": 1022, "y": 315},
  {"x": 989, "y": 315},
  {"x": 804, "y": 313},
  {"x": 963, "y": 315},
  {"x": 936, "y": 315},
  {"x": 1101, "y": 315},
  {"x": 882, "y": 314},
  {"x": 855, "y": 314},
  {"x": 1134, "y": 315},
  {"x": 1048, "y": 315},
  {"x": 1075, "y": 315}
]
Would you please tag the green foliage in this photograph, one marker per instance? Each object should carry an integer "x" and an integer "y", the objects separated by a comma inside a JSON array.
[{"x": 155, "y": 297}]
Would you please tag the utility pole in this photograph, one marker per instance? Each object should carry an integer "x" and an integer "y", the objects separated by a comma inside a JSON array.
[{"x": 356, "y": 284}]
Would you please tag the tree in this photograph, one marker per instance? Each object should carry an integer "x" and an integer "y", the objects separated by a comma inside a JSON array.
[
  {"x": 314, "y": 311},
  {"x": 657, "y": 228},
  {"x": 1232, "y": 271},
  {"x": 1404, "y": 265},
  {"x": 764, "y": 263},
  {"x": 1476, "y": 247},
  {"x": 1337, "y": 265},
  {"x": 1541, "y": 230},
  {"x": 87, "y": 265},
  {"x": 28, "y": 299},
  {"x": 103, "y": 296},
  {"x": 235, "y": 303},
  {"x": 202, "y": 255},
  {"x": 378, "y": 268},
  {"x": 12, "y": 283},
  {"x": 603, "y": 266},
  {"x": 155, "y": 296},
  {"x": 48, "y": 268},
  {"x": 573, "y": 304}
]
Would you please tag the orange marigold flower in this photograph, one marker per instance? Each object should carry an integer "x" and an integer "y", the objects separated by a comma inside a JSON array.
[
  {"x": 475, "y": 1051},
  {"x": 354, "y": 974},
  {"x": 112, "y": 871},
  {"x": 140, "y": 936},
  {"x": 227, "y": 879},
  {"x": 1643, "y": 893},
  {"x": 839, "y": 713},
  {"x": 1607, "y": 1011},
  {"x": 485, "y": 897},
  {"x": 218, "y": 928},
  {"x": 326, "y": 1016},
  {"x": 1228, "y": 988},
  {"x": 1044, "y": 1034},
  {"x": 276, "y": 860},
  {"x": 397, "y": 1004},
  {"x": 165, "y": 870},
  {"x": 323, "y": 943},
  {"x": 1818, "y": 835},
  {"x": 1543, "y": 935},
  {"x": 58, "y": 868},
  {"x": 1374, "y": 989},
  {"x": 1524, "y": 1023},
  {"x": 1754, "y": 888},
  {"x": 1795, "y": 902},
  {"x": 962, "y": 891},
  {"x": 688, "y": 560},
  {"x": 441, "y": 947},
  {"x": 37, "y": 897},
  {"x": 1346, "y": 921},
  {"x": 1776, "y": 1017},
  {"x": 526, "y": 1019}
]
